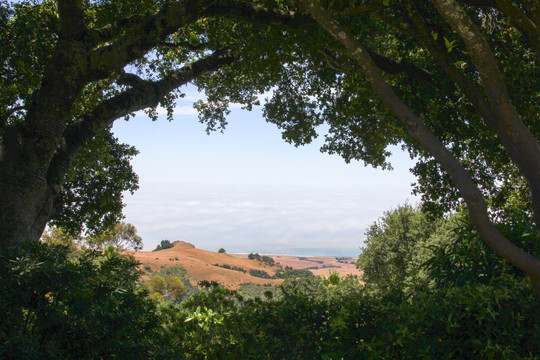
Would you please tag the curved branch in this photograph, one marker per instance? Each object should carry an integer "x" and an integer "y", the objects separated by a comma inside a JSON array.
[
  {"x": 142, "y": 37},
  {"x": 440, "y": 54},
  {"x": 412, "y": 70},
  {"x": 131, "y": 80},
  {"x": 388, "y": 65},
  {"x": 533, "y": 10},
  {"x": 155, "y": 29},
  {"x": 110, "y": 31},
  {"x": 516, "y": 138},
  {"x": 71, "y": 15},
  {"x": 416, "y": 128},
  {"x": 143, "y": 94},
  {"x": 353, "y": 11},
  {"x": 259, "y": 14}
]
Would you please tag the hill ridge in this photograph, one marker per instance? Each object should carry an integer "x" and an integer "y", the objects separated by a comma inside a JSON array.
[{"x": 231, "y": 270}]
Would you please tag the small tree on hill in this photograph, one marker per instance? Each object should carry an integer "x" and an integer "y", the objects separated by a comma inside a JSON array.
[
  {"x": 221, "y": 251},
  {"x": 165, "y": 244},
  {"x": 122, "y": 236}
]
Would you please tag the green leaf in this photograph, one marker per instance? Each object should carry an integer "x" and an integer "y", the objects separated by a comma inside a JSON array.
[{"x": 449, "y": 44}]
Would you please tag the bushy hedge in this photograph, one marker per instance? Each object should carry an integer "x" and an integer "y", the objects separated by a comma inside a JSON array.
[{"x": 56, "y": 304}]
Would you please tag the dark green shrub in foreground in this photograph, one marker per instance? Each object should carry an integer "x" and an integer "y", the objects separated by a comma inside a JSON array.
[
  {"x": 476, "y": 321},
  {"x": 315, "y": 318},
  {"x": 59, "y": 305},
  {"x": 454, "y": 299}
]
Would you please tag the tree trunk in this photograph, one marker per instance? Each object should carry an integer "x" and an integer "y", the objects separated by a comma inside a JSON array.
[
  {"x": 26, "y": 204},
  {"x": 26, "y": 197}
]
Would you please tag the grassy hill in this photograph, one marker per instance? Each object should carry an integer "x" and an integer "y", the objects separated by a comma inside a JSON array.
[{"x": 233, "y": 270}]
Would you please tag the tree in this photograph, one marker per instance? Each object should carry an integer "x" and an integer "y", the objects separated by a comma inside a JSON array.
[
  {"x": 391, "y": 245},
  {"x": 221, "y": 251},
  {"x": 165, "y": 244},
  {"x": 169, "y": 287},
  {"x": 71, "y": 68},
  {"x": 55, "y": 236},
  {"x": 456, "y": 82},
  {"x": 59, "y": 303},
  {"x": 122, "y": 237},
  {"x": 483, "y": 88}
]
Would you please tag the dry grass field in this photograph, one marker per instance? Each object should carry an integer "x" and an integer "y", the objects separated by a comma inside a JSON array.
[{"x": 201, "y": 264}]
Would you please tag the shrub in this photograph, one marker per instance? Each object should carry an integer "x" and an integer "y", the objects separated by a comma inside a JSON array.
[
  {"x": 83, "y": 305},
  {"x": 165, "y": 244}
]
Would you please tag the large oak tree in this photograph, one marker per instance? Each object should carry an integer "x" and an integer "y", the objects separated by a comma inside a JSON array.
[{"x": 455, "y": 81}]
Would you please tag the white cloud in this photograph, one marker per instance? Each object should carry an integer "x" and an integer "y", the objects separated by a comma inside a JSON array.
[{"x": 249, "y": 218}]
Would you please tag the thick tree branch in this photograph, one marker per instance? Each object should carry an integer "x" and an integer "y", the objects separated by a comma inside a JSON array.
[
  {"x": 518, "y": 17},
  {"x": 71, "y": 15},
  {"x": 259, "y": 14},
  {"x": 415, "y": 127},
  {"x": 143, "y": 37},
  {"x": 391, "y": 66},
  {"x": 131, "y": 80},
  {"x": 480, "y": 3},
  {"x": 155, "y": 29},
  {"x": 143, "y": 94},
  {"x": 516, "y": 138},
  {"x": 533, "y": 10},
  {"x": 353, "y": 11},
  {"x": 423, "y": 34},
  {"x": 110, "y": 31}
]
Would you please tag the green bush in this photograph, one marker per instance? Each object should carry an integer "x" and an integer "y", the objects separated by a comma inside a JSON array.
[
  {"x": 57, "y": 305},
  {"x": 165, "y": 244},
  {"x": 259, "y": 273}
]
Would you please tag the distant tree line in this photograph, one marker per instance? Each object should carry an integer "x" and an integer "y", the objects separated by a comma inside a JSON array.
[
  {"x": 268, "y": 260},
  {"x": 312, "y": 260},
  {"x": 226, "y": 266},
  {"x": 281, "y": 273},
  {"x": 325, "y": 266},
  {"x": 345, "y": 260}
]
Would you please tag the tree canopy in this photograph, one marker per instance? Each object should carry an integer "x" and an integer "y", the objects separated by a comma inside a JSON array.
[
  {"x": 455, "y": 82},
  {"x": 391, "y": 245}
]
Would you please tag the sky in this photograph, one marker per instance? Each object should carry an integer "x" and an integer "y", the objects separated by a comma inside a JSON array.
[{"x": 247, "y": 190}]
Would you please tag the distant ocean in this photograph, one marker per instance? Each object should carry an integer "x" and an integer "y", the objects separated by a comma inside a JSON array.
[{"x": 309, "y": 251}]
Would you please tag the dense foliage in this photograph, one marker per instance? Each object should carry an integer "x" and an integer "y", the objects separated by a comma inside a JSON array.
[
  {"x": 454, "y": 81},
  {"x": 450, "y": 297},
  {"x": 58, "y": 304},
  {"x": 121, "y": 236}
]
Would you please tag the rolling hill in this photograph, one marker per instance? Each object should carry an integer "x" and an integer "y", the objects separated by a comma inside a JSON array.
[{"x": 233, "y": 270}]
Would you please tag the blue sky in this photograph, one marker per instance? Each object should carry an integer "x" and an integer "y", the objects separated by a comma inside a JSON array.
[{"x": 248, "y": 191}]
